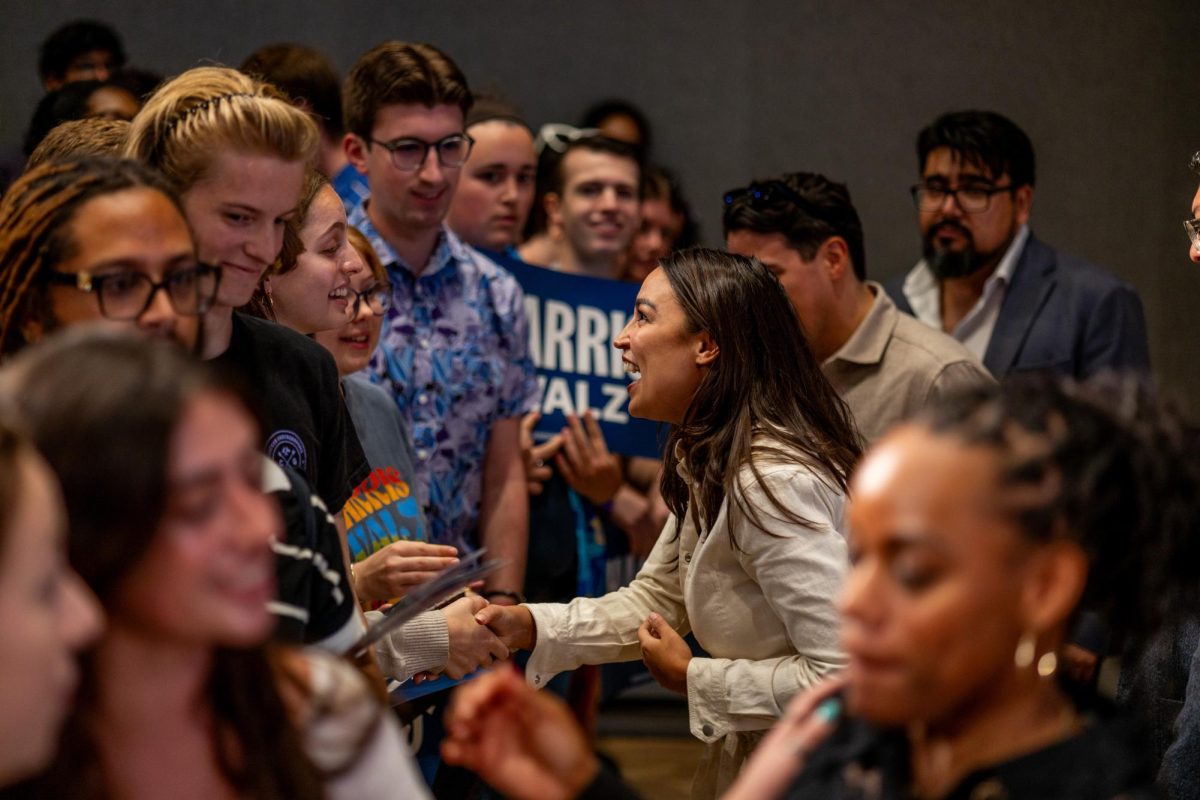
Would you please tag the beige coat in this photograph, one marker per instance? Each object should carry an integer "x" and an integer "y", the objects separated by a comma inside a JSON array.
[{"x": 764, "y": 611}]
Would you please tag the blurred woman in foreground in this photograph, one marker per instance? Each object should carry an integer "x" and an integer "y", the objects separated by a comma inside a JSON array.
[
  {"x": 48, "y": 613},
  {"x": 975, "y": 535},
  {"x": 160, "y": 464}
]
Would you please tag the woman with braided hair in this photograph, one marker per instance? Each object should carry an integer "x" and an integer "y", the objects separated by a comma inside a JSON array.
[
  {"x": 236, "y": 152},
  {"x": 89, "y": 239},
  {"x": 976, "y": 534}
]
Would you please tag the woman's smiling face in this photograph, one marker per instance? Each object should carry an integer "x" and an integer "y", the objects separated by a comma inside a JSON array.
[
  {"x": 664, "y": 357},
  {"x": 314, "y": 295}
]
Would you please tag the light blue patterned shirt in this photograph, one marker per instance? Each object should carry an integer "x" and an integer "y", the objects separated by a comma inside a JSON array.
[
  {"x": 351, "y": 185},
  {"x": 454, "y": 353}
]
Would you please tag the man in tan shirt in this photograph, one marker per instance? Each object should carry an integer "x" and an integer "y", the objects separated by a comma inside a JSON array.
[{"x": 886, "y": 365}]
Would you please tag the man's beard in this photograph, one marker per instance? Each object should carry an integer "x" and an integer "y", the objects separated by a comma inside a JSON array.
[{"x": 946, "y": 264}]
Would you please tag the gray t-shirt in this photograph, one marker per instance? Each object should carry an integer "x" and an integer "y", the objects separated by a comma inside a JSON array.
[{"x": 384, "y": 507}]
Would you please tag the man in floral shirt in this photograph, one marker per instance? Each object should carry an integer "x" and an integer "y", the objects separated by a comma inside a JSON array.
[{"x": 454, "y": 350}]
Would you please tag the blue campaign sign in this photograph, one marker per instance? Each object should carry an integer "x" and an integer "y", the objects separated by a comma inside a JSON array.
[{"x": 573, "y": 320}]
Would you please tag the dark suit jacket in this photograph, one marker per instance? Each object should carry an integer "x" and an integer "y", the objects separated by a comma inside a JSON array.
[{"x": 1062, "y": 314}]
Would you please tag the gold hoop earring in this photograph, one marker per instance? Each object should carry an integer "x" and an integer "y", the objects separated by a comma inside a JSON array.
[
  {"x": 1026, "y": 651},
  {"x": 1047, "y": 664}
]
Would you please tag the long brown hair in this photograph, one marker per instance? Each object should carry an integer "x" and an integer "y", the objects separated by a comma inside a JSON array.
[
  {"x": 13, "y": 450},
  {"x": 102, "y": 408},
  {"x": 765, "y": 381}
]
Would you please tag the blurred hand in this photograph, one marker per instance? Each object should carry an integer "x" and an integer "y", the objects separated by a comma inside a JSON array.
[
  {"x": 523, "y": 742},
  {"x": 585, "y": 462},
  {"x": 779, "y": 757},
  {"x": 472, "y": 645},
  {"x": 665, "y": 653},
  {"x": 513, "y": 624},
  {"x": 1078, "y": 662},
  {"x": 536, "y": 457},
  {"x": 658, "y": 511},
  {"x": 390, "y": 572},
  {"x": 632, "y": 513}
]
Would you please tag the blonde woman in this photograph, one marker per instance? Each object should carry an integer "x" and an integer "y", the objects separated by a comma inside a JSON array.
[{"x": 237, "y": 154}]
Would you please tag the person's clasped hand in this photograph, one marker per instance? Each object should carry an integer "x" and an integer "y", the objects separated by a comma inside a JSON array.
[{"x": 665, "y": 653}]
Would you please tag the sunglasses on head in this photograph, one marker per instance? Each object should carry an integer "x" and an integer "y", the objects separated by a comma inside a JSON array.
[{"x": 768, "y": 193}]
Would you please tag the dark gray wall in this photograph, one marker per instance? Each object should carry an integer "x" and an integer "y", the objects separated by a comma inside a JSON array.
[{"x": 737, "y": 90}]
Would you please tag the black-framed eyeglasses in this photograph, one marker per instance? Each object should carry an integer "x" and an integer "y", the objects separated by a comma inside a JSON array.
[
  {"x": 377, "y": 298},
  {"x": 971, "y": 199},
  {"x": 126, "y": 295},
  {"x": 409, "y": 154},
  {"x": 760, "y": 195}
]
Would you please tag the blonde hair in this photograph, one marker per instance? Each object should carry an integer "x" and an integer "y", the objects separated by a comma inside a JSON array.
[{"x": 208, "y": 110}]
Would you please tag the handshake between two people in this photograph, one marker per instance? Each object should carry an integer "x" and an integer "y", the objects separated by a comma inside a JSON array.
[
  {"x": 394, "y": 570},
  {"x": 482, "y": 634}
]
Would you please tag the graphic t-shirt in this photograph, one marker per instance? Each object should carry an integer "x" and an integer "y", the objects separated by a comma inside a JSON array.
[
  {"x": 384, "y": 507},
  {"x": 307, "y": 425}
]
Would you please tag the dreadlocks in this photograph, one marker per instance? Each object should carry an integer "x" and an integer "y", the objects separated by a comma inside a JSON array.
[
  {"x": 35, "y": 236},
  {"x": 1104, "y": 463}
]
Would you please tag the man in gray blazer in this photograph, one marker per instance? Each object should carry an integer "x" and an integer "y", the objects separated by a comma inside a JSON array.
[{"x": 1015, "y": 302}]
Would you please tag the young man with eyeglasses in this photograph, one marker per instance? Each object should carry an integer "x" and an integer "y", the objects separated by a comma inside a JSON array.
[
  {"x": 1015, "y": 302},
  {"x": 884, "y": 364},
  {"x": 454, "y": 351}
]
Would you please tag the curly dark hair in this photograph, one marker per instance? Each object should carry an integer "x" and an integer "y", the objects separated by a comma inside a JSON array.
[{"x": 73, "y": 40}]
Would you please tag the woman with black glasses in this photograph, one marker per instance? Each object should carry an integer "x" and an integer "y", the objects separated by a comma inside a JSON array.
[{"x": 98, "y": 239}]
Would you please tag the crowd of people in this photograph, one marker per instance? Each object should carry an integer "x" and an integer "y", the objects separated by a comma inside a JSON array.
[{"x": 265, "y": 369}]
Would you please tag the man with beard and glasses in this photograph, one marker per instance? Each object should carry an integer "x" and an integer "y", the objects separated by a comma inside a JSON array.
[{"x": 1015, "y": 302}]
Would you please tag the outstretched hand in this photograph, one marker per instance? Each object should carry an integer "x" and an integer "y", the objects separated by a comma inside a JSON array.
[
  {"x": 471, "y": 644},
  {"x": 523, "y": 742},
  {"x": 513, "y": 625},
  {"x": 782, "y": 753}
]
